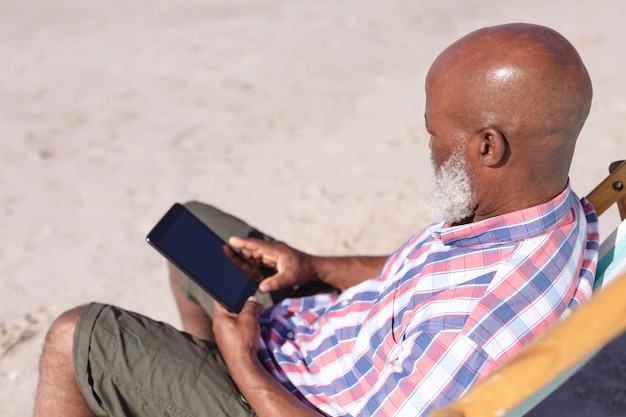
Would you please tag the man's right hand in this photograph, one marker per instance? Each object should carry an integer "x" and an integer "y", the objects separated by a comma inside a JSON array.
[{"x": 292, "y": 267}]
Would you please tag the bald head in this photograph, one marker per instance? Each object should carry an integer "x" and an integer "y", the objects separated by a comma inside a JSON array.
[
  {"x": 526, "y": 79},
  {"x": 525, "y": 90}
]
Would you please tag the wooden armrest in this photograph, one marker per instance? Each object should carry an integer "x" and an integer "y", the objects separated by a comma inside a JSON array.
[{"x": 611, "y": 190}]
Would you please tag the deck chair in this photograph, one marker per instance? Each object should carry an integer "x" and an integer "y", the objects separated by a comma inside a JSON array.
[{"x": 541, "y": 367}]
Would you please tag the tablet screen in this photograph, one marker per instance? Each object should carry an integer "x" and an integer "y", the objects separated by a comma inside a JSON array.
[{"x": 205, "y": 257}]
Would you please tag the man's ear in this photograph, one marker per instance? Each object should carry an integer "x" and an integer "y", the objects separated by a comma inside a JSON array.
[{"x": 493, "y": 147}]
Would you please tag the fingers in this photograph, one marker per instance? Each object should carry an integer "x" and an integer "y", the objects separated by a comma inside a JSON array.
[
  {"x": 268, "y": 285},
  {"x": 286, "y": 261},
  {"x": 248, "y": 243},
  {"x": 252, "y": 306},
  {"x": 219, "y": 309},
  {"x": 264, "y": 252}
]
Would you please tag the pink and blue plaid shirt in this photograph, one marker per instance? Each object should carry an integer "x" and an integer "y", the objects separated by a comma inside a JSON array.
[{"x": 448, "y": 307}]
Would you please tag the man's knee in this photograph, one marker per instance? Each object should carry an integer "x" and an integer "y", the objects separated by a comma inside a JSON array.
[{"x": 60, "y": 337}]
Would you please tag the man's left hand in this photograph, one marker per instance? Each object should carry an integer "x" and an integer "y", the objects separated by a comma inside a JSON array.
[
  {"x": 238, "y": 338},
  {"x": 237, "y": 335}
]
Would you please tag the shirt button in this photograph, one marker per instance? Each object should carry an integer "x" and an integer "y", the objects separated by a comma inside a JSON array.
[
  {"x": 345, "y": 303},
  {"x": 290, "y": 335}
]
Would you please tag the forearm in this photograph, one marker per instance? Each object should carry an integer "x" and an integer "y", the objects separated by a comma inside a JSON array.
[
  {"x": 294, "y": 268},
  {"x": 265, "y": 394},
  {"x": 346, "y": 271}
]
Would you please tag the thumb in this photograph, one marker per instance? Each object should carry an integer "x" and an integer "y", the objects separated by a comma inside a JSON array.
[
  {"x": 272, "y": 283},
  {"x": 252, "y": 306}
]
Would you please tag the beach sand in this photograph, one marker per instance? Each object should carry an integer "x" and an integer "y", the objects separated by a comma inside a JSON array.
[{"x": 303, "y": 117}]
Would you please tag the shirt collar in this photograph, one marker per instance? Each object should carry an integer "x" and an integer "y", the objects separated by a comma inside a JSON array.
[{"x": 514, "y": 226}]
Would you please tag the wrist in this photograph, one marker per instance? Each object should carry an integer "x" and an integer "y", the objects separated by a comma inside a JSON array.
[
  {"x": 240, "y": 361},
  {"x": 315, "y": 267},
  {"x": 248, "y": 373}
]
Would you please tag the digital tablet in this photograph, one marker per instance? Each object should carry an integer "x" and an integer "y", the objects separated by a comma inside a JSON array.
[{"x": 203, "y": 256}]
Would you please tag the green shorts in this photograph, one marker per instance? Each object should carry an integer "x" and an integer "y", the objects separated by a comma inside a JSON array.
[{"x": 129, "y": 365}]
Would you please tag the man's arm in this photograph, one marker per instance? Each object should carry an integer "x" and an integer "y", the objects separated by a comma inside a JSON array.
[
  {"x": 346, "y": 271},
  {"x": 265, "y": 394},
  {"x": 296, "y": 268},
  {"x": 238, "y": 340}
]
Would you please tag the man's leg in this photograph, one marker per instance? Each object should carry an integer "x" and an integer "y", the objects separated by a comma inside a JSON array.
[
  {"x": 194, "y": 318},
  {"x": 57, "y": 392},
  {"x": 120, "y": 363}
]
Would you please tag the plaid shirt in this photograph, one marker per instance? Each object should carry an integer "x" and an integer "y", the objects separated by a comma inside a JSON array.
[{"x": 448, "y": 307}]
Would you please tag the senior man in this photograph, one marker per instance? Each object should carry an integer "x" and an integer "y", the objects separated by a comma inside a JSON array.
[{"x": 512, "y": 252}]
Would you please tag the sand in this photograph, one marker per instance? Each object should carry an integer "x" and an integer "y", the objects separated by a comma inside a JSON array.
[{"x": 303, "y": 117}]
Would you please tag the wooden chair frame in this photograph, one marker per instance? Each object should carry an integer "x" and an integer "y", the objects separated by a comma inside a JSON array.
[{"x": 611, "y": 190}]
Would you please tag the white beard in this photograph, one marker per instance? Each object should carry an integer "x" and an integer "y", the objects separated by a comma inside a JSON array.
[{"x": 451, "y": 197}]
